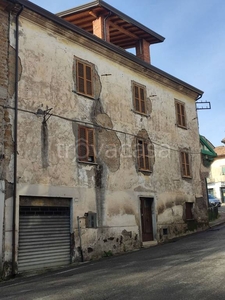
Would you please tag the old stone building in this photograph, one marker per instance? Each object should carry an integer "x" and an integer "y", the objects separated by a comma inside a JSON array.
[{"x": 100, "y": 150}]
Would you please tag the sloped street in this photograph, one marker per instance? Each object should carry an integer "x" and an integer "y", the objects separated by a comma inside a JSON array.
[{"x": 192, "y": 267}]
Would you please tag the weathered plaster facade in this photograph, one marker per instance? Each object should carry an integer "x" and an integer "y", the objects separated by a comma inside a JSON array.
[{"x": 112, "y": 186}]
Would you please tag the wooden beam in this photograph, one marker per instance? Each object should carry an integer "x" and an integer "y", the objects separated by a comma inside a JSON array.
[
  {"x": 93, "y": 14},
  {"x": 121, "y": 29}
]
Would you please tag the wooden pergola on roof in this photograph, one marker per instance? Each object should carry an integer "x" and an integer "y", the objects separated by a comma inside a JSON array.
[{"x": 111, "y": 25}]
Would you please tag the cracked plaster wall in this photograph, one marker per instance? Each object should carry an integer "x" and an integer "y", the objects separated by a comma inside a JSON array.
[{"x": 113, "y": 188}]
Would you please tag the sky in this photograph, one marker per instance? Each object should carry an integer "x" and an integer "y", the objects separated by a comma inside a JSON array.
[{"x": 193, "y": 50}]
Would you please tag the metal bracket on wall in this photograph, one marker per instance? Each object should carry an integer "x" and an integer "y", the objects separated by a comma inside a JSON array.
[{"x": 203, "y": 105}]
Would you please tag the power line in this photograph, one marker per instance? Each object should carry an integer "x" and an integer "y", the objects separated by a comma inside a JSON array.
[{"x": 100, "y": 127}]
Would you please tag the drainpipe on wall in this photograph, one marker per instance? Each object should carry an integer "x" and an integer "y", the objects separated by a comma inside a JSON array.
[
  {"x": 105, "y": 33},
  {"x": 199, "y": 97},
  {"x": 15, "y": 144},
  {"x": 79, "y": 234}
]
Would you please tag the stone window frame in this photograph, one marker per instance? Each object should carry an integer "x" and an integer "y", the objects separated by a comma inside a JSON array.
[
  {"x": 139, "y": 95},
  {"x": 144, "y": 161},
  {"x": 86, "y": 144},
  {"x": 181, "y": 118},
  {"x": 84, "y": 78},
  {"x": 185, "y": 163}
]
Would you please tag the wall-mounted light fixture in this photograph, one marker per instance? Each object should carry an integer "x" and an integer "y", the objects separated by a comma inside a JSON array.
[{"x": 44, "y": 113}]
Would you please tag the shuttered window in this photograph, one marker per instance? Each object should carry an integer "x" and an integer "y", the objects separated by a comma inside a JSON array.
[
  {"x": 84, "y": 79},
  {"x": 139, "y": 98},
  {"x": 144, "y": 153},
  {"x": 185, "y": 164},
  {"x": 180, "y": 114},
  {"x": 86, "y": 144}
]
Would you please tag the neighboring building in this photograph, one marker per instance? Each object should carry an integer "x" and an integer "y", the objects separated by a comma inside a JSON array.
[
  {"x": 100, "y": 150},
  {"x": 216, "y": 179},
  {"x": 208, "y": 156}
]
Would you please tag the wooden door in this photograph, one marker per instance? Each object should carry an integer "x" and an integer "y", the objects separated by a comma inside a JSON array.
[{"x": 146, "y": 219}]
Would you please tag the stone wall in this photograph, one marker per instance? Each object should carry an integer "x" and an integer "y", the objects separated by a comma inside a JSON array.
[{"x": 4, "y": 29}]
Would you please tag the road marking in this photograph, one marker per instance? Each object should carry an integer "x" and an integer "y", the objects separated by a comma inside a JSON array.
[{"x": 73, "y": 269}]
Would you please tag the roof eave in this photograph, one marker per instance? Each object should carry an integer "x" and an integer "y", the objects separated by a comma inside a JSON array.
[
  {"x": 52, "y": 17},
  {"x": 113, "y": 10}
]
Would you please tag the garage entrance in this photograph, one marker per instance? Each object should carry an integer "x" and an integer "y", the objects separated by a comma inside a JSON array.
[{"x": 44, "y": 233}]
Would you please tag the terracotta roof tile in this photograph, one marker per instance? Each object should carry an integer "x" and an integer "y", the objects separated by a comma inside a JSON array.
[{"x": 220, "y": 150}]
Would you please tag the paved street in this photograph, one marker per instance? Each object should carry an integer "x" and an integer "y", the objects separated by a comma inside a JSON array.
[{"x": 189, "y": 268}]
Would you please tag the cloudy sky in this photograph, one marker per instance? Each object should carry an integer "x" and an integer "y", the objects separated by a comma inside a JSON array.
[{"x": 193, "y": 50}]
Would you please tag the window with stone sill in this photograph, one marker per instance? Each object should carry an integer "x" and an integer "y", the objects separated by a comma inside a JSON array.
[
  {"x": 144, "y": 153},
  {"x": 84, "y": 78},
  {"x": 86, "y": 144},
  {"x": 180, "y": 114},
  {"x": 185, "y": 164},
  {"x": 139, "y": 98}
]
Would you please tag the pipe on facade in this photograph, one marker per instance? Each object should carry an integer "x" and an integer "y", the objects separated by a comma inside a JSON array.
[
  {"x": 199, "y": 97},
  {"x": 79, "y": 234},
  {"x": 15, "y": 143},
  {"x": 105, "y": 34}
]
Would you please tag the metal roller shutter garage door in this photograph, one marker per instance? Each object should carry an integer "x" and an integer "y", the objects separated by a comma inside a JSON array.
[{"x": 44, "y": 237}]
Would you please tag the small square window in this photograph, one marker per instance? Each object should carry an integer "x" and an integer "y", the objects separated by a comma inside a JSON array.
[
  {"x": 139, "y": 98},
  {"x": 180, "y": 114},
  {"x": 86, "y": 145},
  {"x": 185, "y": 164},
  {"x": 165, "y": 231}
]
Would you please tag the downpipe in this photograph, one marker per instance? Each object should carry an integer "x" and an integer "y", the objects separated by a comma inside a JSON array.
[{"x": 15, "y": 144}]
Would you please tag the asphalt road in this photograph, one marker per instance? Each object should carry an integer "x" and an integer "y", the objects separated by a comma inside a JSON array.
[{"x": 190, "y": 268}]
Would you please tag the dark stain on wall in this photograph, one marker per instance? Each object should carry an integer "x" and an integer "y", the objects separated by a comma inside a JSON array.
[
  {"x": 179, "y": 200},
  {"x": 12, "y": 60},
  {"x": 108, "y": 155},
  {"x": 44, "y": 145},
  {"x": 8, "y": 143},
  {"x": 100, "y": 189},
  {"x": 149, "y": 106}
]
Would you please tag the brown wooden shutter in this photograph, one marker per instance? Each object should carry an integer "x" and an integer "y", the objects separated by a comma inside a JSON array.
[
  {"x": 183, "y": 121},
  {"x": 147, "y": 165},
  {"x": 136, "y": 98},
  {"x": 82, "y": 144},
  {"x": 91, "y": 150},
  {"x": 139, "y": 98},
  {"x": 151, "y": 155},
  {"x": 80, "y": 77},
  {"x": 185, "y": 164},
  {"x": 88, "y": 80},
  {"x": 142, "y": 100},
  {"x": 178, "y": 113},
  {"x": 140, "y": 154}
]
